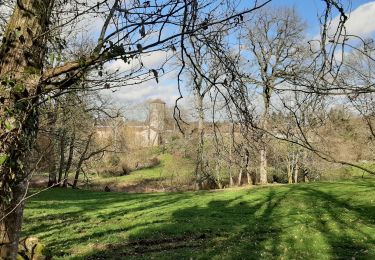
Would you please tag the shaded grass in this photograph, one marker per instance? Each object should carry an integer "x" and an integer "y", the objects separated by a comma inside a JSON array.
[{"x": 305, "y": 221}]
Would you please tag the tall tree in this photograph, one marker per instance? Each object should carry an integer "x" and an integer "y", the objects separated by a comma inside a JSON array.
[
  {"x": 273, "y": 42},
  {"x": 21, "y": 61}
]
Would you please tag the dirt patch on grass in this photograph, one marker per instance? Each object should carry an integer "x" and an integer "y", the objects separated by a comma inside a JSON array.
[{"x": 38, "y": 181}]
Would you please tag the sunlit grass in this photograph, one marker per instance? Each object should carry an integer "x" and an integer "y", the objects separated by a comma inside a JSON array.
[
  {"x": 154, "y": 176},
  {"x": 305, "y": 221}
]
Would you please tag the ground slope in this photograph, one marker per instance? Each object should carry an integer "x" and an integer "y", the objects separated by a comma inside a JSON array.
[
  {"x": 173, "y": 171},
  {"x": 305, "y": 221}
]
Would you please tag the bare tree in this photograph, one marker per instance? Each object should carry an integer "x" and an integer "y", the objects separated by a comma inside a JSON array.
[
  {"x": 202, "y": 61},
  {"x": 274, "y": 40}
]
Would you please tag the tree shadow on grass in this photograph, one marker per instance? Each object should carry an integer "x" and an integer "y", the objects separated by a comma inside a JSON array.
[
  {"x": 349, "y": 229},
  {"x": 297, "y": 222},
  {"x": 212, "y": 230},
  {"x": 79, "y": 217},
  {"x": 314, "y": 221}
]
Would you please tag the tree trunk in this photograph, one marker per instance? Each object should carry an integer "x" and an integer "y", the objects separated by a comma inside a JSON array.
[
  {"x": 247, "y": 158},
  {"x": 231, "y": 156},
  {"x": 240, "y": 177},
  {"x": 78, "y": 171},
  {"x": 52, "y": 178},
  {"x": 82, "y": 159},
  {"x": 21, "y": 57},
  {"x": 217, "y": 177},
  {"x": 52, "y": 171},
  {"x": 305, "y": 177},
  {"x": 62, "y": 156},
  {"x": 248, "y": 178},
  {"x": 263, "y": 167},
  {"x": 290, "y": 177},
  {"x": 10, "y": 227},
  {"x": 296, "y": 170},
  {"x": 200, "y": 159},
  {"x": 305, "y": 171},
  {"x": 290, "y": 169},
  {"x": 69, "y": 162},
  {"x": 263, "y": 151}
]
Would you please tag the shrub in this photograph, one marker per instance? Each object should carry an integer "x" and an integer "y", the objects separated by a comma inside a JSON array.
[
  {"x": 155, "y": 161},
  {"x": 178, "y": 172},
  {"x": 277, "y": 175},
  {"x": 337, "y": 173},
  {"x": 110, "y": 171},
  {"x": 114, "y": 160}
]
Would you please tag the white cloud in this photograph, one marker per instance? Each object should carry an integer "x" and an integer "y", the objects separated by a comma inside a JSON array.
[
  {"x": 360, "y": 23},
  {"x": 361, "y": 20},
  {"x": 153, "y": 60},
  {"x": 165, "y": 90}
]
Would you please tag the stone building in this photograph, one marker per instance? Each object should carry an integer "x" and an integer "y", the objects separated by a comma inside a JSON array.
[{"x": 151, "y": 132}]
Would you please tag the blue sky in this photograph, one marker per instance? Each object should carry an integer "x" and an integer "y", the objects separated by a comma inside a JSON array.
[{"x": 361, "y": 22}]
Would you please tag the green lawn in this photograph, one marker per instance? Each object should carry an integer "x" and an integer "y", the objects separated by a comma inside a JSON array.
[{"x": 305, "y": 221}]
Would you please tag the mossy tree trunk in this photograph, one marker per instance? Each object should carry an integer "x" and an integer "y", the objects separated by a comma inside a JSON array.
[{"x": 21, "y": 58}]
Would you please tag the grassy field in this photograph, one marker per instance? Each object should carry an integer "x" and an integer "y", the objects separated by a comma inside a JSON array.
[
  {"x": 173, "y": 171},
  {"x": 304, "y": 221}
]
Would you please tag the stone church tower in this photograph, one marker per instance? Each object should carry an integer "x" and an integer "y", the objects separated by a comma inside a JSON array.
[{"x": 156, "y": 122}]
